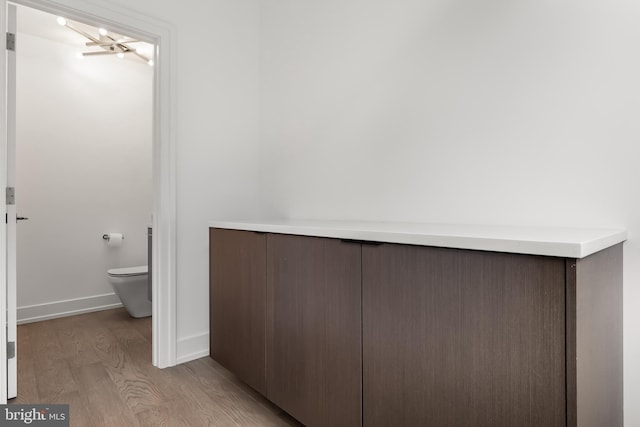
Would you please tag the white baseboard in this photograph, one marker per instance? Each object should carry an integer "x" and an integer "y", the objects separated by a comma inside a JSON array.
[
  {"x": 192, "y": 347},
  {"x": 71, "y": 307}
]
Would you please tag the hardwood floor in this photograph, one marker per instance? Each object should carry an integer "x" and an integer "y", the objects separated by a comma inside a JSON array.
[{"x": 100, "y": 364}]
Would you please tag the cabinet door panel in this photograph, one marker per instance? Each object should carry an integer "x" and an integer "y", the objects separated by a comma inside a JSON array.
[
  {"x": 237, "y": 303},
  {"x": 462, "y": 338},
  {"x": 314, "y": 366}
]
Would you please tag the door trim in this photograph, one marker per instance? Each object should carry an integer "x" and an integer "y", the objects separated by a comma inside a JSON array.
[
  {"x": 161, "y": 34},
  {"x": 3, "y": 204}
]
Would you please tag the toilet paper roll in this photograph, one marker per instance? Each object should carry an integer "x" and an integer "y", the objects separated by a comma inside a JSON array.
[{"x": 114, "y": 240}]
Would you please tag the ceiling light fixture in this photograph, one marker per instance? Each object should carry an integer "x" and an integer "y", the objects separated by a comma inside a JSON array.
[{"x": 110, "y": 44}]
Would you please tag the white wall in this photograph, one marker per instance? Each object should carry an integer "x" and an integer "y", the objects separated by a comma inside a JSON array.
[
  {"x": 83, "y": 169},
  {"x": 489, "y": 112}
]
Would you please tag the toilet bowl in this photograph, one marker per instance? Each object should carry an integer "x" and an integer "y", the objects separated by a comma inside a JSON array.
[{"x": 131, "y": 285}]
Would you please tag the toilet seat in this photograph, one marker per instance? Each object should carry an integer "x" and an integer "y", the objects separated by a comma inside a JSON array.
[{"x": 128, "y": 271}]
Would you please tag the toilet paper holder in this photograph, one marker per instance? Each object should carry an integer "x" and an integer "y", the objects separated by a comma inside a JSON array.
[{"x": 106, "y": 237}]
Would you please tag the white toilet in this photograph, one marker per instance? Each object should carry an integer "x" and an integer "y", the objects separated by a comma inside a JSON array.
[{"x": 131, "y": 284}]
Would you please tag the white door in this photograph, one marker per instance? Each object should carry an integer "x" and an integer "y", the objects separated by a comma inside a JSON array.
[{"x": 11, "y": 218}]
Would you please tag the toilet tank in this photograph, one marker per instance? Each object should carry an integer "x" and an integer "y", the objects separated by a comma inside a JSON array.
[{"x": 149, "y": 253}]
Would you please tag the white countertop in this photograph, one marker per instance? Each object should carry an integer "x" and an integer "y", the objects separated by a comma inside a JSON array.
[{"x": 549, "y": 241}]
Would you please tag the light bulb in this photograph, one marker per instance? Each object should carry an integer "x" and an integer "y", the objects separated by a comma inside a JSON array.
[
  {"x": 120, "y": 55},
  {"x": 139, "y": 50},
  {"x": 61, "y": 21},
  {"x": 150, "y": 62},
  {"x": 102, "y": 31},
  {"x": 79, "y": 55}
]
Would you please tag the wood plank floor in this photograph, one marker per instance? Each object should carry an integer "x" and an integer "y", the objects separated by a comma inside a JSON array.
[{"x": 100, "y": 364}]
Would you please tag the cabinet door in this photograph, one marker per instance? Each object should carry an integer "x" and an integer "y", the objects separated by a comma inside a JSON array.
[
  {"x": 462, "y": 338},
  {"x": 314, "y": 366},
  {"x": 237, "y": 303}
]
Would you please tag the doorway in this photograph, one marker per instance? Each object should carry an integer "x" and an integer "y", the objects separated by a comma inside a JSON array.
[
  {"x": 83, "y": 164},
  {"x": 163, "y": 160}
]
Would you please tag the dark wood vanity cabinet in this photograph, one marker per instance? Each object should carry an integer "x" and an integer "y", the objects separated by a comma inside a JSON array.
[
  {"x": 285, "y": 314},
  {"x": 352, "y": 334},
  {"x": 314, "y": 346},
  {"x": 462, "y": 338},
  {"x": 237, "y": 310}
]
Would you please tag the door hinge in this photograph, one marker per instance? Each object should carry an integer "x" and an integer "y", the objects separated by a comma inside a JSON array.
[
  {"x": 11, "y": 349},
  {"x": 11, "y": 196},
  {"x": 11, "y": 42}
]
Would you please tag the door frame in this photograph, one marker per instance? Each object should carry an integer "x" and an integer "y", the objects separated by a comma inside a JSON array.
[{"x": 161, "y": 34}]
